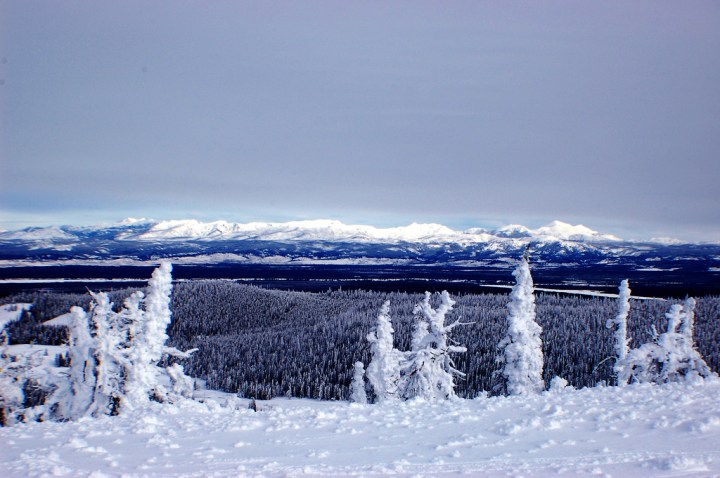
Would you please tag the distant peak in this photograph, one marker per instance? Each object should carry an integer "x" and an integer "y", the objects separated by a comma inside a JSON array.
[
  {"x": 568, "y": 232},
  {"x": 513, "y": 231},
  {"x": 133, "y": 220}
]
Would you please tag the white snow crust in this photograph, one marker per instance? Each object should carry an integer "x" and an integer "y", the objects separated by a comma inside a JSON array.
[{"x": 638, "y": 430}]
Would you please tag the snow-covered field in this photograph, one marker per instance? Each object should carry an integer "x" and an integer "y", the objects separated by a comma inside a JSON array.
[
  {"x": 10, "y": 313},
  {"x": 639, "y": 430}
]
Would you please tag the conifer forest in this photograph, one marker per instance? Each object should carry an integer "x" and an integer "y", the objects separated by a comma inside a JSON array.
[{"x": 263, "y": 343}]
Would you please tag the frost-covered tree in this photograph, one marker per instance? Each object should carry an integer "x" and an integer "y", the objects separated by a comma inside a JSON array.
[
  {"x": 81, "y": 376},
  {"x": 357, "y": 387},
  {"x": 521, "y": 349},
  {"x": 133, "y": 315},
  {"x": 427, "y": 371},
  {"x": 116, "y": 358},
  {"x": 12, "y": 378},
  {"x": 687, "y": 327},
  {"x": 148, "y": 336},
  {"x": 181, "y": 384},
  {"x": 383, "y": 371},
  {"x": 671, "y": 356},
  {"x": 25, "y": 383},
  {"x": 110, "y": 356},
  {"x": 680, "y": 359},
  {"x": 619, "y": 323}
]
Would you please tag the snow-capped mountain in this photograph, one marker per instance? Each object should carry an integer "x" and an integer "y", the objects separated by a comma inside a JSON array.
[
  {"x": 573, "y": 253},
  {"x": 317, "y": 230}
]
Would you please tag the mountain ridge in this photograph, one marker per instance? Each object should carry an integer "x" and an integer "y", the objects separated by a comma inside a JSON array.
[
  {"x": 562, "y": 255},
  {"x": 325, "y": 230}
]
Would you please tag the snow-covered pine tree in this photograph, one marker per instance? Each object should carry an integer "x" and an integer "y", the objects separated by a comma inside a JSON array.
[
  {"x": 687, "y": 326},
  {"x": 148, "y": 338},
  {"x": 671, "y": 346},
  {"x": 671, "y": 356},
  {"x": 427, "y": 371},
  {"x": 108, "y": 352},
  {"x": 133, "y": 315},
  {"x": 116, "y": 366},
  {"x": 521, "y": 349},
  {"x": 619, "y": 323},
  {"x": 680, "y": 360},
  {"x": 383, "y": 371},
  {"x": 357, "y": 387},
  {"x": 75, "y": 403},
  {"x": 696, "y": 363},
  {"x": 12, "y": 378}
]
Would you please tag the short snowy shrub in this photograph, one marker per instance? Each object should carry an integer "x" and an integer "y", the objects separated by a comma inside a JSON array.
[
  {"x": 671, "y": 356},
  {"x": 558, "y": 384},
  {"x": 357, "y": 388}
]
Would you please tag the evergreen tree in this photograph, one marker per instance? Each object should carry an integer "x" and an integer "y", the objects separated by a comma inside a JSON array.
[
  {"x": 148, "y": 331},
  {"x": 109, "y": 353},
  {"x": 621, "y": 339},
  {"x": 383, "y": 371},
  {"x": 357, "y": 392},
  {"x": 671, "y": 356},
  {"x": 428, "y": 369},
  {"x": 82, "y": 367},
  {"x": 522, "y": 355}
]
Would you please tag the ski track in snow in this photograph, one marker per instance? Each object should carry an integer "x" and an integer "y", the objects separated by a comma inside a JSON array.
[{"x": 640, "y": 430}]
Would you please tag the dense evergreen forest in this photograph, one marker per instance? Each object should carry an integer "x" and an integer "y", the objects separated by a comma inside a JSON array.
[{"x": 264, "y": 343}]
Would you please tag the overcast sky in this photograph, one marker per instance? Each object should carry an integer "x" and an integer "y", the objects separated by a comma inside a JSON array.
[{"x": 466, "y": 113}]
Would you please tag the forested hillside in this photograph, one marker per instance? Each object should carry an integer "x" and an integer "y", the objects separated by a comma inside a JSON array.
[{"x": 264, "y": 343}]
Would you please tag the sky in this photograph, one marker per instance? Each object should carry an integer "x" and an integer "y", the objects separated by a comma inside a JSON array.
[{"x": 465, "y": 113}]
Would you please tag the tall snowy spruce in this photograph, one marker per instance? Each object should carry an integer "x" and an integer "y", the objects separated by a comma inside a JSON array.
[
  {"x": 148, "y": 338},
  {"x": 521, "y": 349},
  {"x": 383, "y": 371},
  {"x": 619, "y": 323},
  {"x": 427, "y": 371}
]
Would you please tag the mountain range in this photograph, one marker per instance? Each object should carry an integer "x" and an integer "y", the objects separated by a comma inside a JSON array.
[{"x": 556, "y": 246}]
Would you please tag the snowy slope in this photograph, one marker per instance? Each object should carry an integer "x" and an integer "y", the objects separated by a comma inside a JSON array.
[
  {"x": 648, "y": 430},
  {"x": 10, "y": 313}
]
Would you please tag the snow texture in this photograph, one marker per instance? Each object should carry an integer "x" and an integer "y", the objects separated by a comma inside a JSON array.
[{"x": 642, "y": 430}]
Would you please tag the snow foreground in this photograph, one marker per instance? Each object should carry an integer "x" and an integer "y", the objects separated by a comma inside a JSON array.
[{"x": 638, "y": 430}]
